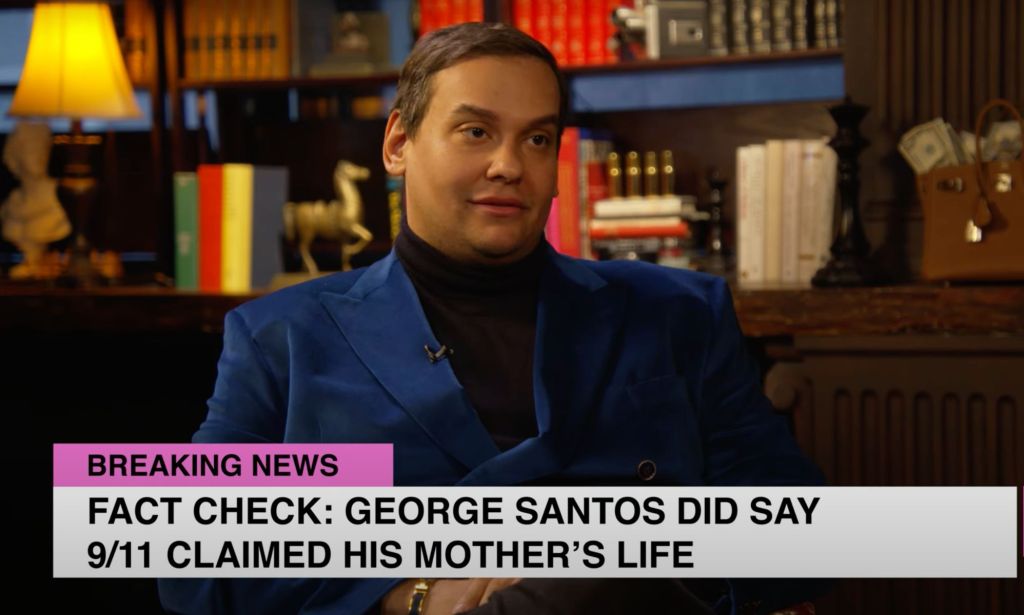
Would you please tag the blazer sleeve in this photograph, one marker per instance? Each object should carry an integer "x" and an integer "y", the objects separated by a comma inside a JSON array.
[
  {"x": 248, "y": 405},
  {"x": 748, "y": 444}
]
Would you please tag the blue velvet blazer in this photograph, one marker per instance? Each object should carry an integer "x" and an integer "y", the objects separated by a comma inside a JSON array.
[{"x": 633, "y": 363}]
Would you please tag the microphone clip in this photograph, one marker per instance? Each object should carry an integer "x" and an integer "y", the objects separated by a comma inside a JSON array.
[{"x": 440, "y": 354}]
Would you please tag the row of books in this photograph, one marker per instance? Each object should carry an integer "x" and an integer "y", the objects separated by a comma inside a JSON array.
[
  {"x": 576, "y": 32},
  {"x": 785, "y": 200},
  {"x": 238, "y": 39},
  {"x": 737, "y": 27},
  {"x": 435, "y": 14},
  {"x": 228, "y": 225}
]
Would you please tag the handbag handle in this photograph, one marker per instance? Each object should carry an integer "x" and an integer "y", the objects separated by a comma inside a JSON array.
[{"x": 982, "y": 214}]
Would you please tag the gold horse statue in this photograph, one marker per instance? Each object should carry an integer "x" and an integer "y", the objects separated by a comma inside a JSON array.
[{"x": 340, "y": 219}]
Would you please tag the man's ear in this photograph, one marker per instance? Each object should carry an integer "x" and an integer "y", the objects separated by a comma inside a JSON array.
[{"x": 395, "y": 139}]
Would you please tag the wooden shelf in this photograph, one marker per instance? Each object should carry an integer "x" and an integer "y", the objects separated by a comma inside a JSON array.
[
  {"x": 894, "y": 310},
  {"x": 763, "y": 313},
  {"x": 815, "y": 74},
  {"x": 113, "y": 310}
]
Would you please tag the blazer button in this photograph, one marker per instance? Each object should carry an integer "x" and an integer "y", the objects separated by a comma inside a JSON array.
[{"x": 646, "y": 470}]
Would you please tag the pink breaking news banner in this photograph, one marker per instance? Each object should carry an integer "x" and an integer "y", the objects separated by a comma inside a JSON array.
[{"x": 223, "y": 465}]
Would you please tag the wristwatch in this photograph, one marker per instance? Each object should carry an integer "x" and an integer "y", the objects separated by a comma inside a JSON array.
[{"x": 419, "y": 596}]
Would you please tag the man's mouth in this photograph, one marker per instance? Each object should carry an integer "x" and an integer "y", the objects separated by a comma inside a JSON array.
[
  {"x": 498, "y": 206},
  {"x": 494, "y": 201}
]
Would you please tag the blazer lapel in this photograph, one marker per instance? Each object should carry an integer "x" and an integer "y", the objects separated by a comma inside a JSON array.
[
  {"x": 383, "y": 321},
  {"x": 578, "y": 321}
]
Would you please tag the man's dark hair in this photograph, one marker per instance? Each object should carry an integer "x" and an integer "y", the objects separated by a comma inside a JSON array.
[{"x": 448, "y": 46}]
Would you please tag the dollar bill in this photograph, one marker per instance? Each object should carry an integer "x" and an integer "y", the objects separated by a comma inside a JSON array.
[
  {"x": 930, "y": 146},
  {"x": 970, "y": 145},
  {"x": 958, "y": 146},
  {"x": 1003, "y": 141}
]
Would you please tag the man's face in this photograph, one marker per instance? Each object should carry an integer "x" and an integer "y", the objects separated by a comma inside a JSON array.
[{"x": 482, "y": 170}]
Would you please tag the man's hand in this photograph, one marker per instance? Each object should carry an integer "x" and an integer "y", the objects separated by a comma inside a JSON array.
[{"x": 446, "y": 596}]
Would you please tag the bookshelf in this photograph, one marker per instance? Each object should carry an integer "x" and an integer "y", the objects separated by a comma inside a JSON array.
[{"x": 637, "y": 86}]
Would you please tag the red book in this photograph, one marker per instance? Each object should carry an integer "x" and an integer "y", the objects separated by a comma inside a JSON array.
[
  {"x": 569, "y": 192},
  {"x": 476, "y": 10},
  {"x": 460, "y": 11},
  {"x": 577, "y": 29},
  {"x": 522, "y": 16},
  {"x": 639, "y": 232},
  {"x": 542, "y": 21},
  {"x": 211, "y": 204},
  {"x": 443, "y": 13},
  {"x": 428, "y": 16},
  {"x": 597, "y": 31},
  {"x": 609, "y": 6},
  {"x": 560, "y": 31}
]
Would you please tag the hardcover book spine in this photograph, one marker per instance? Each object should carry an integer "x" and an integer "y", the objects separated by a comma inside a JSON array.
[
  {"x": 236, "y": 232},
  {"x": 186, "y": 232},
  {"x": 799, "y": 24},
  {"x": 597, "y": 33},
  {"x": 211, "y": 198},
  {"x": 542, "y": 22},
  {"x": 577, "y": 28},
  {"x": 750, "y": 213},
  {"x": 792, "y": 150},
  {"x": 718, "y": 30},
  {"x": 782, "y": 25},
  {"x": 568, "y": 192},
  {"x": 773, "y": 211},
  {"x": 560, "y": 31},
  {"x": 190, "y": 19},
  {"x": 522, "y": 16},
  {"x": 832, "y": 23},
  {"x": 819, "y": 28},
  {"x": 760, "y": 26},
  {"x": 739, "y": 34}
]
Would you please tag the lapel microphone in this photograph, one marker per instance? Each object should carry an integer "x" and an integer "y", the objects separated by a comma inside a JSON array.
[{"x": 440, "y": 354}]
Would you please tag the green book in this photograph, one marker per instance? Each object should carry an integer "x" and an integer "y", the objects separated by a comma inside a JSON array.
[{"x": 186, "y": 232}]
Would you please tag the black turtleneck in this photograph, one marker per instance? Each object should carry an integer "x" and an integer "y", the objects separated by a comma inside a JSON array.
[{"x": 488, "y": 316}]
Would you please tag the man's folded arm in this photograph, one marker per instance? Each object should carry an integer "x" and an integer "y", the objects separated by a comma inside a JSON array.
[{"x": 248, "y": 405}]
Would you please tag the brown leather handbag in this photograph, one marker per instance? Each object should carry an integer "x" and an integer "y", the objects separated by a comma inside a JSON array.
[{"x": 974, "y": 216}]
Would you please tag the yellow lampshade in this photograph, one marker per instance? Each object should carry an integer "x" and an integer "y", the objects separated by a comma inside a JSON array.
[{"x": 73, "y": 67}]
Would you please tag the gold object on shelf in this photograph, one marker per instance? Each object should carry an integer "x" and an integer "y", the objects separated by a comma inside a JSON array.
[
  {"x": 614, "y": 165},
  {"x": 633, "y": 174},
  {"x": 668, "y": 173}
]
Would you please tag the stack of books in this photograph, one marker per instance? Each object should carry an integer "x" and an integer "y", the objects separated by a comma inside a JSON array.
[
  {"x": 228, "y": 225},
  {"x": 785, "y": 201}
]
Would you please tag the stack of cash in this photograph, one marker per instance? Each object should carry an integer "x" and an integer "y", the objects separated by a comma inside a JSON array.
[{"x": 936, "y": 144}]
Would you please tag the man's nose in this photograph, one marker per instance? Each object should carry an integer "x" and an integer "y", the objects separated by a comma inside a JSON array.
[{"x": 506, "y": 163}]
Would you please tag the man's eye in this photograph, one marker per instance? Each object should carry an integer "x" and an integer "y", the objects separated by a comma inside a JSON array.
[
  {"x": 540, "y": 140},
  {"x": 475, "y": 133}
]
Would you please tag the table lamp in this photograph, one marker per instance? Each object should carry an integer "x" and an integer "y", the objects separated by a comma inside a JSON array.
[{"x": 74, "y": 69}]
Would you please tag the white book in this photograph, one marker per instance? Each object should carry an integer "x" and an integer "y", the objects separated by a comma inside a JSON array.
[
  {"x": 792, "y": 150},
  {"x": 817, "y": 206},
  {"x": 672, "y": 205},
  {"x": 644, "y": 222},
  {"x": 750, "y": 213},
  {"x": 773, "y": 211}
]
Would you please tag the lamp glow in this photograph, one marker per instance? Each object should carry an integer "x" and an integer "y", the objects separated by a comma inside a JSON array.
[{"x": 73, "y": 67}]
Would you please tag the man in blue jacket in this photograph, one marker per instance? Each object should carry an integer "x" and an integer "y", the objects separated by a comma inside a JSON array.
[{"x": 486, "y": 357}]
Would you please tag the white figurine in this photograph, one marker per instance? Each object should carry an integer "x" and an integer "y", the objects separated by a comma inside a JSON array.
[{"x": 31, "y": 216}]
